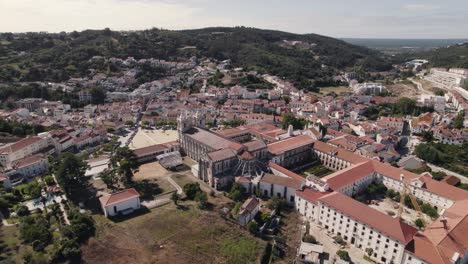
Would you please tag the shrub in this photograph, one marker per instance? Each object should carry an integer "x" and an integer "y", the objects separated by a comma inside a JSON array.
[
  {"x": 343, "y": 254},
  {"x": 237, "y": 192},
  {"x": 191, "y": 190},
  {"x": 338, "y": 239},
  {"x": 49, "y": 180},
  {"x": 236, "y": 209},
  {"x": 309, "y": 239},
  {"x": 202, "y": 199},
  {"x": 419, "y": 223},
  {"x": 252, "y": 226},
  {"x": 22, "y": 210}
]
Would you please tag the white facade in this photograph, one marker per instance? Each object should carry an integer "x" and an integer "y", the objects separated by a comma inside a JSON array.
[
  {"x": 385, "y": 249},
  {"x": 127, "y": 205}
]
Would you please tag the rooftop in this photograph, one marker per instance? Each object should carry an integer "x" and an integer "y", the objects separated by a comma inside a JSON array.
[
  {"x": 119, "y": 197},
  {"x": 385, "y": 224},
  {"x": 280, "y": 147}
]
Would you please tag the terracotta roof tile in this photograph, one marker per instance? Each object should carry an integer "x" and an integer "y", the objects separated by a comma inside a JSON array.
[
  {"x": 118, "y": 197},
  {"x": 289, "y": 144},
  {"x": 282, "y": 181},
  {"x": 385, "y": 224}
]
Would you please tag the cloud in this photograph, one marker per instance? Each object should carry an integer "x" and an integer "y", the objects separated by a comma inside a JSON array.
[{"x": 420, "y": 7}]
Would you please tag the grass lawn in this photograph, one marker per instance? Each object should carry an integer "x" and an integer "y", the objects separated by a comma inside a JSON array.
[
  {"x": 171, "y": 235},
  {"x": 318, "y": 170}
]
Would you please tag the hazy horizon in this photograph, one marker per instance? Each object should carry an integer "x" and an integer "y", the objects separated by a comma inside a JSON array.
[{"x": 397, "y": 19}]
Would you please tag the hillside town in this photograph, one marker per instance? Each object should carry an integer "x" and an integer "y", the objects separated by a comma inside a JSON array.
[{"x": 346, "y": 163}]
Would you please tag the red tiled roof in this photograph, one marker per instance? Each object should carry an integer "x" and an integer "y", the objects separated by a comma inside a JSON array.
[
  {"x": 150, "y": 149},
  {"x": 311, "y": 195},
  {"x": 211, "y": 139},
  {"x": 349, "y": 175},
  {"x": 289, "y": 144},
  {"x": 221, "y": 154},
  {"x": 249, "y": 205},
  {"x": 285, "y": 171},
  {"x": 385, "y": 224},
  {"x": 118, "y": 197},
  {"x": 282, "y": 181},
  {"x": 443, "y": 189},
  {"x": 20, "y": 144},
  {"x": 28, "y": 160}
]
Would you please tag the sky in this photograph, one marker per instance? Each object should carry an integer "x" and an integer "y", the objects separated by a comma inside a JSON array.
[{"x": 336, "y": 18}]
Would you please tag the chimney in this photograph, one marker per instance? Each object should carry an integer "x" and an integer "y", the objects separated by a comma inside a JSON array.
[{"x": 402, "y": 177}]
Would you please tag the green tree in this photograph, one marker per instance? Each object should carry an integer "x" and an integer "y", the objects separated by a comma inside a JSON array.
[
  {"x": 428, "y": 136},
  {"x": 22, "y": 210},
  {"x": 276, "y": 203},
  {"x": 237, "y": 192},
  {"x": 35, "y": 229},
  {"x": 252, "y": 226},
  {"x": 126, "y": 162},
  {"x": 191, "y": 190},
  {"x": 98, "y": 95},
  {"x": 202, "y": 199},
  {"x": 308, "y": 238},
  {"x": 419, "y": 223},
  {"x": 458, "y": 121},
  {"x": 69, "y": 250},
  {"x": 81, "y": 226},
  {"x": 109, "y": 178},
  {"x": 49, "y": 180},
  {"x": 70, "y": 172},
  {"x": 290, "y": 119},
  {"x": 343, "y": 254},
  {"x": 404, "y": 106}
]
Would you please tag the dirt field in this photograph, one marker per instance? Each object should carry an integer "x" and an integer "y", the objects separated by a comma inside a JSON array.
[
  {"x": 145, "y": 138},
  {"x": 155, "y": 172},
  {"x": 337, "y": 89},
  {"x": 171, "y": 235},
  {"x": 404, "y": 90}
]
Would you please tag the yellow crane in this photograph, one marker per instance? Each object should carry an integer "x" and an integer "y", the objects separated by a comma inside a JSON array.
[{"x": 407, "y": 191}]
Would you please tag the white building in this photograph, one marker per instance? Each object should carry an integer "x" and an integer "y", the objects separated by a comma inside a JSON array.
[
  {"x": 369, "y": 88},
  {"x": 358, "y": 224},
  {"x": 248, "y": 211},
  {"x": 123, "y": 202},
  {"x": 21, "y": 149},
  {"x": 448, "y": 78}
]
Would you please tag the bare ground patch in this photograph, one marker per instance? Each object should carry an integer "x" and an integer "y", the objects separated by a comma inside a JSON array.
[{"x": 170, "y": 235}]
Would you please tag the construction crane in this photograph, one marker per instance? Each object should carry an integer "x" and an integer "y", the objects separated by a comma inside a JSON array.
[{"x": 407, "y": 191}]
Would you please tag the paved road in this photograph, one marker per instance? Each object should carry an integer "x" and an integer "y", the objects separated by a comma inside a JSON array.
[{"x": 462, "y": 178}]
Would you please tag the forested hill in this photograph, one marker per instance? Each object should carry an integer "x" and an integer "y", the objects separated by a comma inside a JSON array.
[
  {"x": 56, "y": 57},
  {"x": 453, "y": 56}
]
